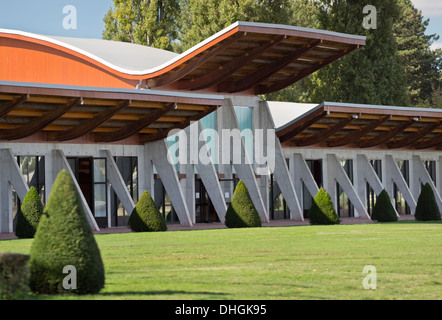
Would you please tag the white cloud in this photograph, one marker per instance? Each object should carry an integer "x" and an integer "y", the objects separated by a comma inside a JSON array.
[
  {"x": 430, "y": 8},
  {"x": 436, "y": 45}
]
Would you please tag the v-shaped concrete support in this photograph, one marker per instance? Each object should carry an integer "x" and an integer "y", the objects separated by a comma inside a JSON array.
[{"x": 10, "y": 176}]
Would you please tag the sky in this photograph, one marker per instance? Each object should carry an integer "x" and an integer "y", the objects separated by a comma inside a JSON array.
[{"x": 47, "y": 17}]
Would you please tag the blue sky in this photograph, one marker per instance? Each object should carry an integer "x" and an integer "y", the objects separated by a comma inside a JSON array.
[{"x": 46, "y": 16}]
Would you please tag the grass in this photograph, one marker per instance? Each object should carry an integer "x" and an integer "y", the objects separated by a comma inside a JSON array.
[{"x": 299, "y": 262}]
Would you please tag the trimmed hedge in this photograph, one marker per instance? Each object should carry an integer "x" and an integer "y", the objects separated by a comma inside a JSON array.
[
  {"x": 322, "y": 211},
  {"x": 383, "y": 210},
  {"x": 241, "y": 212},
  {"x": 64, "y": 238},
  {"x": 426, "y": 208},
  {"x": 14, "y": 276},
  {"x": 29, "y": 215},
  {"x": 146, "y": 217}
]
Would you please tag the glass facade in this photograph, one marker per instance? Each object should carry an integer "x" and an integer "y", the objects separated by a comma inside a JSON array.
[{"x": 128, "y": 167}]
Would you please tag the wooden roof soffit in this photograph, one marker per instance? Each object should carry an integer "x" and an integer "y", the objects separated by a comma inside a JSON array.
[
  {"x": 294, "y": 129},
  {"x": 177, "y": 75},
  {"x": 9, "y": 106},
  {"x": 218, "y": 75},
  {"x": 35, "y": 126},
  {"x": 354, "y": 136},
  {"x": 135, "y": 127},
  {"x": 254, "y": 79},
  {"x": 262, "y": 89},
  {"x": 373, "y": 142},
  {"x": 413, "y": 137},
  {"x": 430, "y": 143},
  {"x": 163, "y": 133},
  {"x": 88, "y": 125},
  {"x": 324, "y": 134}
]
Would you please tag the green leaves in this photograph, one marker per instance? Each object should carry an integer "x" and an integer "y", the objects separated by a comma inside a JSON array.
[
  {"x": 63, "y": 238},
  {"x": 241, "y": 212},
  {"x": 29, "y": 215},
  {"x": 322, "y": 211},
  {"x": 146, "y": 217}
]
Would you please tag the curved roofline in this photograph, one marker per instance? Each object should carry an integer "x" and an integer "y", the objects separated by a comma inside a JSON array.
[
  {"x": 359, "y": 106},
  {"x": 151, "y": 72}
]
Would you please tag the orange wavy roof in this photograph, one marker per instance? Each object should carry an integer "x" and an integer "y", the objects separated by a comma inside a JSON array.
[{"x": 251, "y": 58}]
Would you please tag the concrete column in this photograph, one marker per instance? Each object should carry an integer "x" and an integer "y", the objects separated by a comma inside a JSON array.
[
  {"x": 209, "y": 177},
  {"x": 393, "y": 174},
  {"x": 10, "y": 175},
  {"x": 159, "y": 154},
  {"x": 421, "y": 176},
  {"x": 59, "y": 163},
  {"x": 301, "y": 173},
  {"x": 366, "y": 173},
  {"x": 241, "y": 163},
  {"x": 337, "y": 173},
  {"x": 115, "y": 179}
]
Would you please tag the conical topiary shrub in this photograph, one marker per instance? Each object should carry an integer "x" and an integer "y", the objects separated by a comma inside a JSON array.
[
  {"x": 322, "y": 210},
  {"x": 29, "y": 215},
  {"x": 241, "y": 212},
  {"x": 146, "y": 217},
  {"x": 64, "y": 238},
  {"x": 383, "y": 210},
  {"x": 426, "y": 208}
]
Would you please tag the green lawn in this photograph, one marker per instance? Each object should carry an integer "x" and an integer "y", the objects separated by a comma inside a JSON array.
[{"x": 300, "y": 262}]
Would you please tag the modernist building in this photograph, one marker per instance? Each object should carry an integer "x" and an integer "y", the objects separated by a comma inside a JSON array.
[{"x": 103, "y": 110}]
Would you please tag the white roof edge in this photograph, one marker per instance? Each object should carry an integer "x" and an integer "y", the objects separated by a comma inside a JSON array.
[
  {"x": 187, "y": 52},
  {"x": 303, "y": 29},
  {"x": 112, "y": 90},
  {"x": 356, "y": 105},
  {"x": 383, "y": 107}
]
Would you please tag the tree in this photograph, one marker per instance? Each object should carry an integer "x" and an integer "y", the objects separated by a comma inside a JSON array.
[
  {"x": 304, "y": 15},
  {"x": 383, "y": 210},
  {"x": 64, "y": 238},
  {"x": 241, "y": 212},
  {"x": 372, "y": 74},
  {"x": 322, "y": 210},
  {"x": 146, "y": 217},
  {"x": 427, "y": 208},
  {"x": 421, "y": 65},
  {"x": 29, "y": 214},
  {"x": 203, "y": 18},
  {"x": 148, "y": 22}
]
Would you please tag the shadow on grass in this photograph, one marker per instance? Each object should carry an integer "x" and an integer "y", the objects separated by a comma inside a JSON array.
[
  {"x": 165, "y": 292},
  {"x": 418, "y": 221}
]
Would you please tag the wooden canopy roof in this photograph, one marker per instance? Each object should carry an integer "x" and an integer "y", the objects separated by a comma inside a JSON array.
[
  {"x": 40, "y": 113},
  {"x": 334, "y": 125},
  {"x": 247, "y": 58}
]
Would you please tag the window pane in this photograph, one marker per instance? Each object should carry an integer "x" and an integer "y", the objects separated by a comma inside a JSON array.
[
  {"x": 100, "y": 200},
  {"x": 99, "y": 170}
]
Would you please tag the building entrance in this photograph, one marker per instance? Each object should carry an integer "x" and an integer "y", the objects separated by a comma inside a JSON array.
[{"x": 91, "y": 177}]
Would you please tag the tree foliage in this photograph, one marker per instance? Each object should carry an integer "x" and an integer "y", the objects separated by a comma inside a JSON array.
[
  {"x": 146, "y": 217},
  {"x": 427, "y": 208},
  {"x": 64, "y": 238},
  {"x": 241, "y": 212},
  {"x": 421, "y": 64},
  {"x": 203, "y": 18},
  {"x": 29, "y": 214},
  {"x": 148, "y": 22},
  {"x": 383, "y": 210},
  {"x": 322, "y": 211}
]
